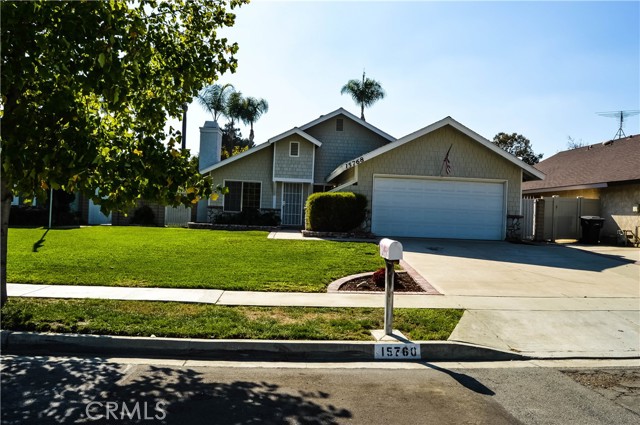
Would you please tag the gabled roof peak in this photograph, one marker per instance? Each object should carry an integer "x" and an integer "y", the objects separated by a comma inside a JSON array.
[{"x": 342, "y": 111}]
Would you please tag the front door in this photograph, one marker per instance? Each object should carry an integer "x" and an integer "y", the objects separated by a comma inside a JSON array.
[{"x": 292, "y": 204}]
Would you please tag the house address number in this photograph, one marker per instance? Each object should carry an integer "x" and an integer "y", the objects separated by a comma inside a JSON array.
[
  {"x": 397, "y": 351},
  {"x": 353, "y": 163}
]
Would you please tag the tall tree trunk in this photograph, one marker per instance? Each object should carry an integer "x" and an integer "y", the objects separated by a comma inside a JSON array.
[
  {"x": 362, "y": 111},
  {"x": 251, "y": 134},
  {"x": 5, "y": 207}
]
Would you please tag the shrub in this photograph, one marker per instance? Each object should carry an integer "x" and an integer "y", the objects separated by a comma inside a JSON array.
[
  {"x": 248, "y": 217},
  {"x": 144, "y": 216},
  {"x": 335, "y": 211},
  {"x": 24, "y": 215},
  {"x": 379, "y": 277}
]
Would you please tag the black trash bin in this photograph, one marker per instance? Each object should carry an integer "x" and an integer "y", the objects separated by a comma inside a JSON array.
[{"x": 591, "y": 226}]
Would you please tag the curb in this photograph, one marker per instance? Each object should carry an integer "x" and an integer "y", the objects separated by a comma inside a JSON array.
[{"x": 123, "y": 346}]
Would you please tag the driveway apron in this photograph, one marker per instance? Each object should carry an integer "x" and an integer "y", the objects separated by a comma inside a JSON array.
[{"x": 504, "y": 270}]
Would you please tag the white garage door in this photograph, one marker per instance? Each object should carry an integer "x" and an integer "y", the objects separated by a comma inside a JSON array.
[{"x": 438, "y": 208}]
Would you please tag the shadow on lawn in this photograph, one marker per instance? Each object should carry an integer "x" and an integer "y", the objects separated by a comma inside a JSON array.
[
  {"x": 38, "y": 244},
  {"x": 46, "y": 390}
]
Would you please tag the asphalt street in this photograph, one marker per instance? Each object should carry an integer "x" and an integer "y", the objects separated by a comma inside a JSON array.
[{"x": 99, "y": 390}]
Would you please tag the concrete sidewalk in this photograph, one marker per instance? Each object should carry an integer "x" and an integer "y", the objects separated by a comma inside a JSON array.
[{"x": 536, "y": 327}]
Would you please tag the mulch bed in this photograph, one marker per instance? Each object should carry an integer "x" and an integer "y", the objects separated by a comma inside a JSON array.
[{"x": 402, "y": 283}]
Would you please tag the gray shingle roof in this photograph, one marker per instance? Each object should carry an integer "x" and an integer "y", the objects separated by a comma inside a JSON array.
[{"x": 615, "y": 161}]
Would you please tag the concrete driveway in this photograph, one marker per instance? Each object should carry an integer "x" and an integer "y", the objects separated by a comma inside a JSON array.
[
  {"x": 587, "y": 303},
  {"x": 503, "y": 269}
]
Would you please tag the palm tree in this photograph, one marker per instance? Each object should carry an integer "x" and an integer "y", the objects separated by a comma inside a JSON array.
[
  {"x": 252, "y": 110},
  {"x": 234, "y": 109},
  {"x": 214, "y": 99},
  {"x": 365, "y": 93}
]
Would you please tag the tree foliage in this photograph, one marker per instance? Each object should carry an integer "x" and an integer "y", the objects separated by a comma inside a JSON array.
[
  {"x": 517, "y": 145},
  {"x": 252, "y": 110},
  {"x": 232, "y": 142},
  {"x": 365, "y": 93},
  {"x": 214, "y": 97},
  {"x": 86, "y": 91},
  {"x": 574, "y": 144}
]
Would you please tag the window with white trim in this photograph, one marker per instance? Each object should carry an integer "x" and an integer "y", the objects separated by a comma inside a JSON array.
[
  {"x": 294, "y": 149},
  {"x": 242, "y": 196}
]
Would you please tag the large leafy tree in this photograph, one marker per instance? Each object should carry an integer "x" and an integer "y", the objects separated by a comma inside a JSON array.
[
  {"x": 517, "y": 145},
  {"x": 251, "y": 110},
  {"x": 86, "y": 91},
  {"x": 364, "y": 92}
]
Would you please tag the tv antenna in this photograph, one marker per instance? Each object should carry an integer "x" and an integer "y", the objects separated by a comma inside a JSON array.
[{"x": 621, "y": 115}]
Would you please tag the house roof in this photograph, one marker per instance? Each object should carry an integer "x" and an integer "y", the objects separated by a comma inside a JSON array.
[
  {"x": 529, "y": 171},
  {"x": 349, "y": 115},
  {"x": 297, "y": 131},
  {"x": 592, "y": 166},
  {"x": 300, "y": 131}
]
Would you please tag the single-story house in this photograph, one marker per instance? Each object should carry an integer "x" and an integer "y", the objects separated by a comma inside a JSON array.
[
  {"x": 442, "y": 181},
  {"x": 608, "y": 171}
]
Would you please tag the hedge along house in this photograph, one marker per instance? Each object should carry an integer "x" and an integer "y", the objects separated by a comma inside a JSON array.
[
  {"x": 443, "y": 181},
  {"x": 280, "y": 174}
]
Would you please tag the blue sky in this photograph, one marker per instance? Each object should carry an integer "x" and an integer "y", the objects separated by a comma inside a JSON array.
[{"x": 541, "y": 69}]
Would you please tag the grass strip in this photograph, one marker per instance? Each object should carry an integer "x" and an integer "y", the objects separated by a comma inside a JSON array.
[
  {"x": 170, "y": 319},
  {"x": 182, "y": 258}
]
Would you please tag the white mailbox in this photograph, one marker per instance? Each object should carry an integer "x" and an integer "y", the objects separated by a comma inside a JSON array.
[{"x": 390, "y": 250}]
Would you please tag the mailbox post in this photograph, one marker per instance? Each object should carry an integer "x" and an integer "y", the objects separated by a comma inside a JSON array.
[{"x": 391, "y": 251}]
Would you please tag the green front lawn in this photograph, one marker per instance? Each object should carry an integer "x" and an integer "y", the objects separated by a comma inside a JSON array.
[
  {"x": 163, "y": 319},
  {"x": 170, "y": 257}
]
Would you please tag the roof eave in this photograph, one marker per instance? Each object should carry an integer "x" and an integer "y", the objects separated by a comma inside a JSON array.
[{"x": 565, "y": 188}]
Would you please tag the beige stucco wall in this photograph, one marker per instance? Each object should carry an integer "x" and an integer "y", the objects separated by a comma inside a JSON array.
[
  {"x": 424, "y": 157},
  {"x": 341, "y": 146},
  {"x": 288, "y": 167},
  {"x": 616, "y": 207},
  {"x": 257, "y": 167}
]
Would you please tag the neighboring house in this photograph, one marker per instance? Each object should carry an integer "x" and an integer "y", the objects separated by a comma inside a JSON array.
[
  {"x": 411, "y": 189},
  {"x": 609, "y": 172}
]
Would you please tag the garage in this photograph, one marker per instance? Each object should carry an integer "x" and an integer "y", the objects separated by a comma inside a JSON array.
[{"x": 438, "y": 208}]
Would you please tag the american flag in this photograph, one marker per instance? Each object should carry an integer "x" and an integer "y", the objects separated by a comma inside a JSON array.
[{"x": 446, "y": 164}]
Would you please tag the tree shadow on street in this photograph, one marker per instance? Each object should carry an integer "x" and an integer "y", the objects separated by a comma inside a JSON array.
[{"x": 43, "y": 390}]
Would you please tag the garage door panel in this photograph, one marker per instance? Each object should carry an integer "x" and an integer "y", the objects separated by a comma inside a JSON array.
[{"x": 438, "y": 208}]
